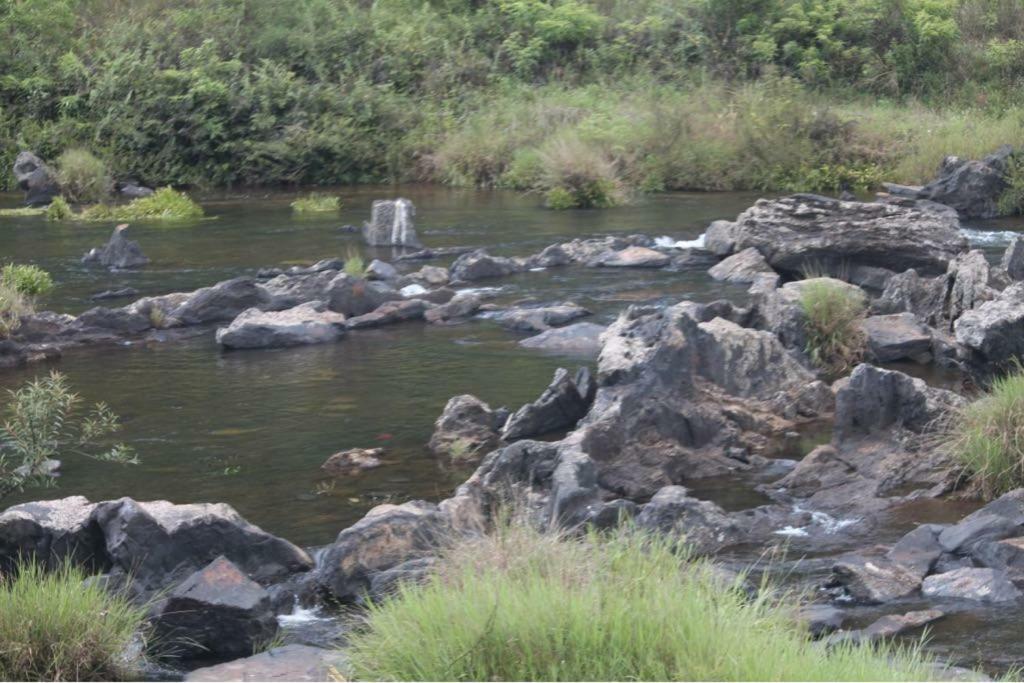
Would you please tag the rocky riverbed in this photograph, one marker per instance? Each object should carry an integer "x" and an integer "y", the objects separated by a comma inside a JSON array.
[{"x": 669, "y": 403}]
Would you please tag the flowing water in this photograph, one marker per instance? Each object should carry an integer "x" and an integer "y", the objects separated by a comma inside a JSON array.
[{"x": 251, "y": 428}]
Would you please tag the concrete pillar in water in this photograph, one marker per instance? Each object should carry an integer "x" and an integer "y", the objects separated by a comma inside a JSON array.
[{"x": 391, "y": 224}]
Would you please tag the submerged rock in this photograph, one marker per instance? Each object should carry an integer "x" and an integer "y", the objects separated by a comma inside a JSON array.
[
  {"x": 309, "y": 323},
  {"x": 35, "y": 179},
  {"x": 389, "y": 313},
  {"x": 391, "y": 224},
  {"x": 352, "y": 461},
  {"x": 578, "y": 339},
  {"x": 119, "y": 253},
  {"x": 539, "y": 318}
]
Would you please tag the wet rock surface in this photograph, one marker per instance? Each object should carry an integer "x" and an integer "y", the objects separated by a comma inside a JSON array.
[
  {"x": 578, "y": 339},
  {"x": 309, "y": 323},
  {"x": 119, "y": 252}
]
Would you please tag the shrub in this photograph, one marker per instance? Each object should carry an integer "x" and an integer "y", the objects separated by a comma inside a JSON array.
[
  {"x": 44, "y": 421},
  {"x": 518, "y": 605},
  {"x": 316, "y": 203},
  {"x": 579, "y": 175},
  {"x": 13, "y": 307},
  {"x": 164, "y": 204},
  {"x": 833, "y": 311},
  {"x": 27, "y": 279},
  {"x": 83, "y": 178},
  {"x": 987, "y": 436},
  {"x": 59, "y": 210},
  {"x": 56, "y": 627}
]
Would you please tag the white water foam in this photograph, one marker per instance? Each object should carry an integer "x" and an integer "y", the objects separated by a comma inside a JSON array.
[
  {"x": 666, "y": 242},
  {"x": 829, "y": 524},
  {"x": 791, "y": 531},
  {"x": 413, "y": 290},
  {"x": 301, "y": 615},
  {"x": 988, "y": 238}
]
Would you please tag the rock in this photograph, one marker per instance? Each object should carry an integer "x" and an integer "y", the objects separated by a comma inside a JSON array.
[
  {"x": 352, "y": 461},
  {"x": 540, "y": 318},
  {"x": 391, "y": 224},
  {"x": 821, "y": 619},
  {"x": 51, "y": 532},
  {"x": 1013, "y": 259},
  {"x": 977, "y": 529},
  {"x": 381, "y": 270},
  {"x": 133, "y": 190},
  {"x": 223, "y": 301},
  {"x": 578, "y": 339},
  {"x": 573, "y": 494},
  {"x": 356, "y": 296},
  {"x": 389, "y": 313},
  {"x": 288, "y": 290},
  {"x": 782, "y": 310},
  {"x": 720, "y": 238},
  {"x": 874, "y": 579},
  {"x": 971, "y": 583},
  {"x": 386, "y": 537},
  {"x": 114, "y": 294},
  {"x": 384, "y": 584},
  {"x": 908, "y": 292},
  {"x": 994, "y": 331},
  {"x": 1005, "y": 555},
  {"x": 560, "y": 407},
  {"x": 897, "y": 336},
  {"x": 632, "y": 257},
  {"x": 461, "y": 306},
  {"x": 918, "y": 550},
  {"x": 119, "y": 253},
  {"x": 435, "y": 276},
  {"x": 967, "y": 284},
  {"x": 158, "y": 542},
  {"x": 552, "y": 256},
  {"x": 743, "y": 267},
  {"x": 973, "y": 188},
  {"x": 672, "y": 511},
  {"x": 1009, "y": 505},
  {"x": 805, "y": 231},
  {"x": 888, "y": 626},
  {"x": 35, "y": 179},
  {"x": 122, "y": 321},
  {"x": 479, "y": 265},
  {"x": 309, "y": 323},
  {"x": 217, "y": 612},
  {"x": 466, "y": 427},
  {"x": 285, "y": 663}
]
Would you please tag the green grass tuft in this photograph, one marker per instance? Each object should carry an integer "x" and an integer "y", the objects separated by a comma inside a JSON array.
[
  {"x": 23, "y": 211},
  {"x": 987, "y": 437},
  {"x": 355, "y": 265},
  {"x": 165, "y": 204},
  {"x": 833, "y": 313},
  {"x": 27, "y": 279},
  {"x": 518, "y": 605},
  {"x": 59, "y": 210},
  {"x": 317, "y": 203},
  {"x": 55, "y": 627}
]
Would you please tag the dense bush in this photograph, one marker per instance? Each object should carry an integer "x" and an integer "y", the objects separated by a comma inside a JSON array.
[
  {"x": 520, "y": 606},
  {"x": 55, "y": 626},
  {"x": 83, "y": 178}
]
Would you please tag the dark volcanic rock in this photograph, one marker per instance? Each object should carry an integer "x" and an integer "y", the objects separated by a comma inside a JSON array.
[
  {"x": 744, "y": 267},
  {"x": 35, "y": 179},
  {"x": 805, "y": 231},
  {"x": 51, "y": 532},
  {"x": 560, "y": 407},
  {"x": 217, "y": 612},
  {"x": 673, "y": 511},
  {"x": 994, "y": 331},
  {"x": 389, "y": 313},
  {"x": 459, "y": 307},
  {"x": 897, "y": 336},
  {"x": 119, "y": 252},
  {"x": 971, "y": 187},
  {"x": 1013, "y": 259},
  {"x": 632, "y": 257},
  {"x": 875, "y": 579},
  {"x": 479, "y": 265},
  {"x": 356, "y": 296},
  {"x": 466, "y": 427},
  {"x": 222, "y": 301}
]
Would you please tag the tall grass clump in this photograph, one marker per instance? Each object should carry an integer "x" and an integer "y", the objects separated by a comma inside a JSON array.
[
  {"x": 316, "y": 203},
  {"x": 59, "y": 210},
  {"x": 164, "y": 204},
  {"x": 355, "y": 265},
  {"x": 518, "y": 605},
  {"x": 26, "y": 278},
  {"x": 987, "y": 437},
  {"x": 56, "y": 627},
  {"x": 14, "y": 305},
  {"x": 83, "y": 177},
  {"x": 832, "y": 315}
]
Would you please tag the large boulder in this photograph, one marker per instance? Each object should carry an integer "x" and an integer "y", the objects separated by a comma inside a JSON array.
[
  {"x": 560, "y": 407},
  {"x": 872, "y": 578},
  {"x": 223, "y": 301},
  {"x": 309, "y": 323},
  {"x": 51, "y": 532},
  {"x": 288, "y": 290},
  {"x": 897, "y": 336},
  {"x": 386, "y": 537},
  {"x": 781, "y": 311},
  {"x": 971, "y": 583},
  {"x": 35, "y": 179},
  {"x": 391, "y": 224},
  {"x": 972, "y": 187},
  {"x": 744, "y": 267},
  {"x": 809, "y": 232},
  {"x": 705, "y": 526},
  {"x": 355, "y": 296},
  {"x": 479, "y": 265},
  {"x": 119, "y": 252},
  {"x": 994, "y": 331},
  {"x": 908, "y": 292},
  {"x": 159, "y": 542},
  {"x": 467, "y": 427},
  {"x": 578, "y": 339},
  {"x": 218, "y": 613}
]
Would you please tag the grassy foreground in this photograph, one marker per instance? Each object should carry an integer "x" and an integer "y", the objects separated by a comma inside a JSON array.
[{"x": 518, "y": 605}]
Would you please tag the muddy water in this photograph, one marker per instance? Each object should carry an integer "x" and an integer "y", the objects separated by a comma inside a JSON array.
[{"x": 252, "y": 428}]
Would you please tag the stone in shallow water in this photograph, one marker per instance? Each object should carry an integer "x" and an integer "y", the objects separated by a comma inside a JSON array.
[
  {"x": 286, "y": 663},
  {"x": 897, "y": 336},
  {"x": 579, "y": 339},
  {"x": 632, "y": 257},
  {"x": 971, "y": 583},
  {"x": 744, "y": 267},
  {"x": 309, "y": 323}
]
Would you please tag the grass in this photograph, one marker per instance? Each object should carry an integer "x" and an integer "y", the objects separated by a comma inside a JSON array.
[
  {"x": 317, "y": 203},
  {"x": 987, "y": 437},
  {"x": 355, "y": 265},
  {"x": 27, "y": 279},
  {"x": 55, "y": 627},
  {"x": 519, "y": 605},
  {"x": 835, "y": 340},
  {"x": 164, "y": 204},
  {"x": 59, "y": 210},
  {"x": 83, "y": 177},
  {"x": 22, "y": 211},
  {"x": 14, "y": 305}
]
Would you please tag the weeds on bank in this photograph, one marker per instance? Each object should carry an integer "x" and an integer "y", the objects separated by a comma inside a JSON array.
[
  {"x": 832, "y": 317},
  {"x": 521, "y": 605}
]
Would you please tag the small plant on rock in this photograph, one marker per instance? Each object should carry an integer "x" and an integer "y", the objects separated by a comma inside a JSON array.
[
  {"x": 83, "y": 177},
  {"x": 833, "y": 313},
  {"x": 987, "y": 437},
  {"x": 45, "y": 421},
  {"x": 355, "y": 266}
]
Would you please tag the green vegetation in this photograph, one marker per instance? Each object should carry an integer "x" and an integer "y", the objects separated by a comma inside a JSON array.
[
  {"x": 14, "y": 306},
  {"x": 83, "y": 178},
  {"x": 22, "y": 211},
  {"x": 584, "y": 101},
  {"x": 59, "y": 210},
  {"x": 27, "y": 279},
  {"x": 629, "y": 607},
  {"x": 45, "y": 421},
  {"x": 317, "y": 203},
  {"x": 56, "y": 627},
  {"x": 165, "y": 204},
  {"x": 833, "y": 312},
  {"x": 355, "y": 266},
  {"x": 987, "y": 437}
]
